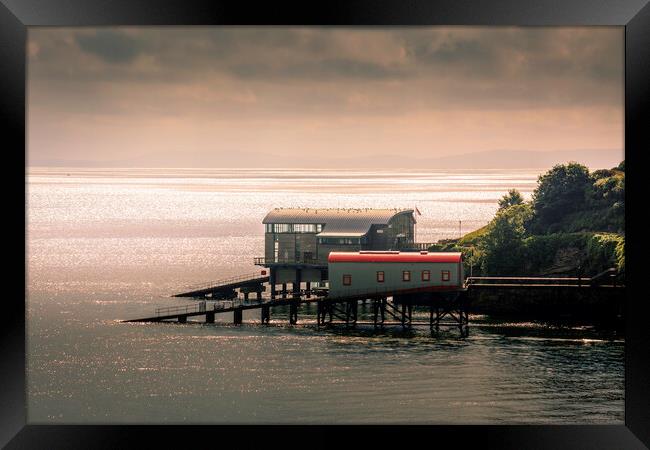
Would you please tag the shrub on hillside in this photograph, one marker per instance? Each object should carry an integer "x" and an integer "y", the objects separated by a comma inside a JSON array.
[
  {"x": 602, "y": 251},
  {"x": 502, "y": 243}
]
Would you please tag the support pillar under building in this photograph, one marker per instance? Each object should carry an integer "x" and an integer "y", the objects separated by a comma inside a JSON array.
[
  {"x": 296, "y": 283},
  {"x": 293, "y": 313},
  {"x": 266, "y": 314},
  {"x": 272, "y": 281}
]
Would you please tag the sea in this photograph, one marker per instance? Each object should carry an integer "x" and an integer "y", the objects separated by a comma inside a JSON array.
[{"x": 105, "y": 245}]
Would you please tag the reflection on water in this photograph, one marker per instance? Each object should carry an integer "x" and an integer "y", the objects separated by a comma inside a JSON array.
[{"x": 105, "y": 245}]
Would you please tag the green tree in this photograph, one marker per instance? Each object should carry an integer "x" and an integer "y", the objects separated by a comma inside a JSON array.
[
  {"x": 560, "y": 191},
  {"x": 609, "y": 190},
  {"x": 502, "y": 246},
  {"x": 620, "y": 254},
  {"x": 513, "y": 197},
  {"x": 607, "y": 201},
  {"x": 603, "y": 173}
]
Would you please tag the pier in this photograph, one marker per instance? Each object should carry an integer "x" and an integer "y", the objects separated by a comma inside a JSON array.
[
  {"x": 600, "y": 297},
  {"x": 389, "y": 308},
  {"x": 560, "y": 296}
]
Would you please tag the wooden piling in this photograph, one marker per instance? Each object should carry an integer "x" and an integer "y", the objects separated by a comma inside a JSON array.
[
  {"x": 296, "y": 284},
  {"x": 293, "y": 313},
  {"x": 266, "y": 314},
  {"x": 319, "y": 312}
]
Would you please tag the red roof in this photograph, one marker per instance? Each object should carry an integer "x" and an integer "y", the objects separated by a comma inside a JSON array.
[{"x": 415, "y": 257}]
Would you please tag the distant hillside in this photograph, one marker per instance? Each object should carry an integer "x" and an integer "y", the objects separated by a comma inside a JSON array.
[
  {"x": 493, "y": 159},
  {"x": 501, "y": 159}
]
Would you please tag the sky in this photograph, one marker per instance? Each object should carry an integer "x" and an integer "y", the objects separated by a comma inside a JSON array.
[{"x": 322, "y": 97}]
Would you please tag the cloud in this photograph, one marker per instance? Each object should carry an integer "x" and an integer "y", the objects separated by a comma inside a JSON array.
[
  {"x": 520, "y": 53},
  {"x": 320, "y": 70},
  {"x": 453, "y": 52},
  {"x": 111, "y": 46},
  {"x": 475, "y": 54},
  {"x": 444, "y": 88}
]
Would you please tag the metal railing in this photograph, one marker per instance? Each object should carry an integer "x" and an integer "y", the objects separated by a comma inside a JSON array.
[
  {"x": 609, "y": 274},
  {"x": 263, "y": 261},
  {"x": 421, "y": 246},
  {"x": 524, "y": 280},
  {"x": 173, "y": 310},
  {"x": 227, "y": 281},
  {"x": 237, "y": 302},
  {"x": 202, "y": 308},
  {"x": 357, "y": 293}
]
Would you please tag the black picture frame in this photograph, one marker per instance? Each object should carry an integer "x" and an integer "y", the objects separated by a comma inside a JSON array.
[{"x": 634, "y": 15}]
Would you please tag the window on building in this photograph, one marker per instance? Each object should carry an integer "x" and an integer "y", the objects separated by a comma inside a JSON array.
[
  {"x": 304, "y": 228},
  {"x": 281, "y": 228},
  {"x": 426, "y": 275},
  {"x": 380, "y": 277},
  {"x": 406, "y": 275},
  {"x": 294, "y": 228},
  {"x": 446, "y": 275},
  {"x": 347, "y": 280},
  {"x": 338, "y": 241}
]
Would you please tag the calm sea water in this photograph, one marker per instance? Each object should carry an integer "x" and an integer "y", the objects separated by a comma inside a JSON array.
[{"x": 107, "y": 245}]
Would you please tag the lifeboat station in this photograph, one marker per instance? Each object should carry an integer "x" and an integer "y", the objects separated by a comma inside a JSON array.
[
  {"x": 338, "y": 258},
  {"x": 298, "y": 242}
]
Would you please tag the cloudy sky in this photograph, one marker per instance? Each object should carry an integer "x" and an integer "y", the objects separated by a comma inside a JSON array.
[{"x": 287, "y": 96}]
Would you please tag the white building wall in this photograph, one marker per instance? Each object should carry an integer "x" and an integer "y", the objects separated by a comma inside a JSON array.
[{"x": 364, "y": 276}]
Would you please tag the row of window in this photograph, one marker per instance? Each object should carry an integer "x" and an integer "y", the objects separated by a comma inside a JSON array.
[
  {"x": 341, "y": 241},
  {"x": 425, "y": 275},
  {"x": 293, "y": 227}
]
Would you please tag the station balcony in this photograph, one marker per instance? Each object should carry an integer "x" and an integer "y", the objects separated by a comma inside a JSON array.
[
  {"x": 302, "y": 261},
  {"x": 414, "y": 246}
]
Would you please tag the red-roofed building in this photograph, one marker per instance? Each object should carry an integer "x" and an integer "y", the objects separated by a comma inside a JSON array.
[{"x": 352, "y": 273}]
